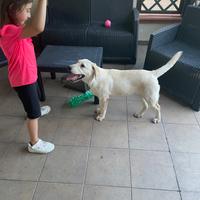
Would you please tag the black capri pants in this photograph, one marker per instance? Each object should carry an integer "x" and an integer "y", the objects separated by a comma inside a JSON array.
[{"x": 28, "y": 95}]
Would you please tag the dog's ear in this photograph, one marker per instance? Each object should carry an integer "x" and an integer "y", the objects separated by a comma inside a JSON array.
[{"x": 95, "y": 70}]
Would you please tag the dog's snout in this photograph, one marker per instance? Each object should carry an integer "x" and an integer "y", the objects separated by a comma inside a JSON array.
[{"x": 70, "y": 67}]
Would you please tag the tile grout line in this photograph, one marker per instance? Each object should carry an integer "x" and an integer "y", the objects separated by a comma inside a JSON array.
[
  {"x": 179, "y": 190},
  {"x": 198, "y": 121},
  {"x": 87, "y": 161},
  {"x": 98, "y": 185},
  {"x": 106, "y": 148},
  {"x": 38, "y": 180},
  {"x": 83, "y": 117},
  {"x": 129, "y": 150}
]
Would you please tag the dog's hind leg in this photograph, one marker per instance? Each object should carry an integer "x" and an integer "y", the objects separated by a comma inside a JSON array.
[
  {"x": 157, "y": 118},
  {"x": 144, "y": 108}
]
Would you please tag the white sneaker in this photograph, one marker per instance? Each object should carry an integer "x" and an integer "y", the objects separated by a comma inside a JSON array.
[
  {"x": 45, "y": 110},
  {"x": 41, "y": 147}
]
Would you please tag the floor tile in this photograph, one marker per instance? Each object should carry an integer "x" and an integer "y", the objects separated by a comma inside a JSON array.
[
  {"x": 140, "y": 58},
  {"x": 17, "y": 190},
  {"x": 9, "y": 128},
  {"x": 55, "y": 88},
  {"x": 3, "y": 149},
  {"x": 190, "y": 195},
  {"x": 113, "y": 134},
  {"x": 4, "y": 73},
  {"x": 122, "y": 98},
  {"x": 16, "y": 163},
  {"x": 61, "y": 109},
  {"x": 52, "y": 191},
  {"x": 4, "y": 88},
  {"x": 173, "y": 112},
  {"x": 12, "y": 106},
  {"x": 74, "y": 132},
  {"x": 197, "y": 114},
  {"x": 147, "y": 136},
  {"x": 47, "y": 130},
  {"x": 142, "y": 194},
  {"x": 183, "y": 138},
  {"x": 187, "y": 168},
  {"x": 108, "y": 167},
  {"x": 133, "y": 97},
  {"x": 135, "y": 107},
  {"x": 153, "y": 170},
  {"x": 106, "y": 193},
  {"x": 66, "y": 165},
  {"x": 116, "y": 110},
  {"x": 104, "y": 166}
]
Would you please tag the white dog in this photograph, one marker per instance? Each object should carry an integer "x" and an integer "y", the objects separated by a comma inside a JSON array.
[{"x": 106, "y": 82}]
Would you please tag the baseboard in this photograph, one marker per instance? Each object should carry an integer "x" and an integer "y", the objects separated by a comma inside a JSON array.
[{"x": 142, "y": 42}]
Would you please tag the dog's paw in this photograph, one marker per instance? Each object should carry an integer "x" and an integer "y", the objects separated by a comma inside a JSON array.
[
  {"x": 99, "y": 118},
  {"x": 155, "y": 120},
  {"x": 136, "y": 115}
]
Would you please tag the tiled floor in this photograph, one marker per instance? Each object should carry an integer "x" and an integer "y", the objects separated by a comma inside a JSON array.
[{"x": 121, "y": 158}]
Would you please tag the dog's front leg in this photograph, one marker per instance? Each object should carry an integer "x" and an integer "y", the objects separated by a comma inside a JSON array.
[
  {"x": 97, "y": 111},
  {"x": 102, "y": 109}
]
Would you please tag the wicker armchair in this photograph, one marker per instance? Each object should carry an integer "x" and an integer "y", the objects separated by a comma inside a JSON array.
[{"x": 183, "y": 80}]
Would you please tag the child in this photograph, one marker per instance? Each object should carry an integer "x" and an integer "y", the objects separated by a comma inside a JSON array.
[{"x": 16, "y": 43}]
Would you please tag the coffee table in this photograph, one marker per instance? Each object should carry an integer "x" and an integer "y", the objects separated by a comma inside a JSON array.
[{"x": 58, "y": 58}]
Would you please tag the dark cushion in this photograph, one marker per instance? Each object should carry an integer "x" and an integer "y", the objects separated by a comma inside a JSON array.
[
  {"x": 191, "y": 54},
  {"x": 68, "y": 11},
  {"x": 117, "y": 41}
]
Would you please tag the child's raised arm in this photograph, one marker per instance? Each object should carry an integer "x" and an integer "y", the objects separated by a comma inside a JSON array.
[{"x": 37, "y": 22}]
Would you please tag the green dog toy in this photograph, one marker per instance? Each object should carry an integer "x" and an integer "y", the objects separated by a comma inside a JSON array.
[{"x": 77, "y": 100}]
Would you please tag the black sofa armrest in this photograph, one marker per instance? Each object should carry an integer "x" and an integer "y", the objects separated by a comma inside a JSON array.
[
  {"x": 196, "y": 99},
  {"x": 163, "y": 36},
  {"x": 134, "y": 28},
  {"x": 135, "y": 21}
]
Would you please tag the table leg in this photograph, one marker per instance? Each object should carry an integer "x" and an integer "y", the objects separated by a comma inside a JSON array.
[
  {"x": 53, "y": 75},
  {"x": 41, "y": 87},
  {"x": 96, "y": 100}
]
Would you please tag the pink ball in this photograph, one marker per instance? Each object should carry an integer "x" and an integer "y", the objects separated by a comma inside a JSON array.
[{"x": 107, "y": 23}]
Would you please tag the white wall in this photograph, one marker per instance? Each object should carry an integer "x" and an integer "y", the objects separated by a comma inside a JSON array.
[{"x": 145, "y": 29}]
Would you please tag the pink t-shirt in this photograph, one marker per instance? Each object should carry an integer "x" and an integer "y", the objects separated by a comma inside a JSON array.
[{"x": 22, "y": 67}]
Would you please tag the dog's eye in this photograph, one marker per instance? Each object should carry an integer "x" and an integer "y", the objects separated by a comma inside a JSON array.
[{"x": 82, "y": 65}]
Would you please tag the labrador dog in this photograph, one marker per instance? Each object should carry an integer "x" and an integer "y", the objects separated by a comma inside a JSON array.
[{"x": 111, "y": 82}]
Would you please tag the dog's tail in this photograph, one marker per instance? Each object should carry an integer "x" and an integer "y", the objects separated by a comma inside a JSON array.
[{"x": 160, "y": 71}]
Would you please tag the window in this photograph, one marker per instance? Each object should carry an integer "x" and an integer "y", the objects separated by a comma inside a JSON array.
[{"x": 163, "y": 6}]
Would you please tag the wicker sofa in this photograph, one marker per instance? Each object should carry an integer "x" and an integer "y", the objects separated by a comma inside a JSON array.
[{"x": 81, "y": 23}]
